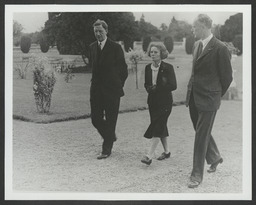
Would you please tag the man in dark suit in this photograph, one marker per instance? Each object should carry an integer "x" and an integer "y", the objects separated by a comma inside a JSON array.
[
  {"x": 210, "y": 79},
  {"x": 109, "y": 72}
]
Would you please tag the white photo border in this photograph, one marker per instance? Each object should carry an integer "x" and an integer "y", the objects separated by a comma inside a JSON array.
[{"x": 247, "y": 119}]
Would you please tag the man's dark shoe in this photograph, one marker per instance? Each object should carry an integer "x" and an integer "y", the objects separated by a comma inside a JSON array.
[
  {"x": 164, "y": 156},
  {"x": 146, "y": 160},
  {"x": 193, "y": 184},
  {"x": 103, "y": 156},
  {"x": 213, "y": 167}
]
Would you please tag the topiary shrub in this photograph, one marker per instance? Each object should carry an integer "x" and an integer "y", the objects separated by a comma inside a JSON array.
[
  {"x": 44, "y": 46},
  {"x": 238, "y": 43},
  {"x": 190, "y": 40},
  {"x": 16, "y": 41},
  {"x": 168, "y": 42},
  {"x": 145, "y": 43},
  {"x": 128, "y": 44},
  {"x": 25, "y": 44}
]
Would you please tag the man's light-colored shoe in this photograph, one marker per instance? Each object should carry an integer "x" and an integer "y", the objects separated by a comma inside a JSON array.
[{"x": 193, "y": 184}]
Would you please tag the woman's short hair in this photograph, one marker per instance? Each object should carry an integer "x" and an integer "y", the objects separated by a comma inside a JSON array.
[
  {"x": 205, "y": 20},
  {"x": 163, "y": 51},
  {"x": 101, "y": 22}
]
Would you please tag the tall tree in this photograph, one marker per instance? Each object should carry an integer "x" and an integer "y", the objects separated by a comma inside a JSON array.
[
  {"x": 17, "y": 32},
  {"x": 216, "y": 31},
  {"x": 164, "y": 27},
  {"x": 179, "y": 29},
  {"x": 146, "y": 29},
  {"x": 73, "y": 31},
  {"x": 17, "y": 28},
  {"x": 232, "y": 27}
]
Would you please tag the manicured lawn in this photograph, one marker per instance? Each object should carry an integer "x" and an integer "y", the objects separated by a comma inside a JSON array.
[{"x": 71, "y": 100}]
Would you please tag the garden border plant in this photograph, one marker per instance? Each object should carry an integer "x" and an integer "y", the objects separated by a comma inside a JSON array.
[{"x": 43, "y": 84}]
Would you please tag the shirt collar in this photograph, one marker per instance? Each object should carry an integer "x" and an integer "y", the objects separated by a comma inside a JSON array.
[
  {"x": 102, "y": 43},
  {"x": 206, "y": 41},
  {"x": 156, "y": 68}
]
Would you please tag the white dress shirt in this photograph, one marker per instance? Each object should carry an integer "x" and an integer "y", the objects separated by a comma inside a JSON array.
[
  {"x": 154, "y": 72},
  {"x": 102, "y": 43},
  {"x": 206, "y": 41}
]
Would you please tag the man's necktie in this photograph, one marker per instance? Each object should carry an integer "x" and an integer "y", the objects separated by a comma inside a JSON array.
[
  {"x": 100, "y": 46},
  {"x": 99, "y": 51},
  {"x": 200, "y": 49}
]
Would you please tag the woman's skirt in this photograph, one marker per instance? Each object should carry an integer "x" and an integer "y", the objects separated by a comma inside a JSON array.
[{"x": 158, "y": 122}]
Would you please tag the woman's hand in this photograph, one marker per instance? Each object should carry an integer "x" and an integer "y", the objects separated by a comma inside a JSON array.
[{"x": 151, "y": 88}]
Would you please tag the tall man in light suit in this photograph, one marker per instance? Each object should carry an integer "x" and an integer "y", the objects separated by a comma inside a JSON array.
[
  {"x": 210, "y": 79},
  {"x": 109, "y": 72}
]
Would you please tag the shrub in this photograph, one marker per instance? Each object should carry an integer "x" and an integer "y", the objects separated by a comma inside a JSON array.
[
  {"x": 135, "y": 56},
  {"x": 44, "y": 46},
  {"x": 68, "y": 75},
  {"x": 16, "y": 41},
  {"x": 168, "y": 42},
  {"x": 145, "y": 43},
  {"x": 22, "y": 67},
  {"x": 190, "y": 40},
  {"x": 25, "y": 43},
  {"x": 238, "y": 43},
  {"x": 128, "y": 44},
  {"x": 231, "y": 47},
  {"x": 44, "y": 81},
  {"x": 66, "y": 67}
]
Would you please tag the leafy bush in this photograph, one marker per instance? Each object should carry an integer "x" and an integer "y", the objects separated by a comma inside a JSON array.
[
  {"x": 238, "y": 43},
  {"x": 190, "y": 40},
  {"x": 168, "y": 42},
  {"x": 145, "y": 43},
  {"x": 22, "y": 67},
  {"x": 44, "y": 46},
  {"x": 25, "y": 44},
  {"x": 66, "y": 67},
  {"x": 44, "y": 81},
  {"x": 68, "y": 75}
]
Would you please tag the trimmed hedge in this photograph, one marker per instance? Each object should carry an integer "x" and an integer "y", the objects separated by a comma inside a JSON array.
[
  {"x": 145, "y": 43},
  {"x": 238, "y": 43},
  {"x": 44, "y": 46},
  {"x": 25, "y": 44},
  {"x": 128, "y": 44},
  {"x": 168, "y": 42},
  {"x": 190, "y": 40}
]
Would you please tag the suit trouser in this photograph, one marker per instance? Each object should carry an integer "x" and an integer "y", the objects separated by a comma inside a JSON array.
[
  {"x": 104, "y": 113},
  {"x": 204, "y": 145}
]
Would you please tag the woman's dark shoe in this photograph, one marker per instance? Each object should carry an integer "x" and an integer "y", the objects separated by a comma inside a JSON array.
[
  {"x": 213, "y": 167},
  {"x": 164, "y": 156},
  {"x": 146, "y": 160}
]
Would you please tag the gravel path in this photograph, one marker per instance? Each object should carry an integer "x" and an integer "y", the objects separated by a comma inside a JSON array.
[{"x": 62, "y": 156}]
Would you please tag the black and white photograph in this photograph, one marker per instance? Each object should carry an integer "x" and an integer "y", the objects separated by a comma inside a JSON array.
[{"x": 128, "y": 102}]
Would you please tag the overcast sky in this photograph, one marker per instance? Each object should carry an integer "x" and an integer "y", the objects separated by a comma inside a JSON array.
[{"x": 32, "y": 22}]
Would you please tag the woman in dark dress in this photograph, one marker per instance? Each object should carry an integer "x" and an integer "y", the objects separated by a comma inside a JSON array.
[{"x": 160, "y": 81}]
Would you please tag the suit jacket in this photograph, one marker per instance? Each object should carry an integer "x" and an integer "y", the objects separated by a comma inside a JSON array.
[
  {"x": 109, "y": 69},
  {"x": 211, "y": 75},
  {"x": 165, "y": 84}
]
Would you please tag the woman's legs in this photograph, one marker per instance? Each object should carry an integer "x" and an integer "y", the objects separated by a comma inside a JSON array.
[
  {"x": 165, "y": 145},
  {"x": 154, "y": 143}
]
